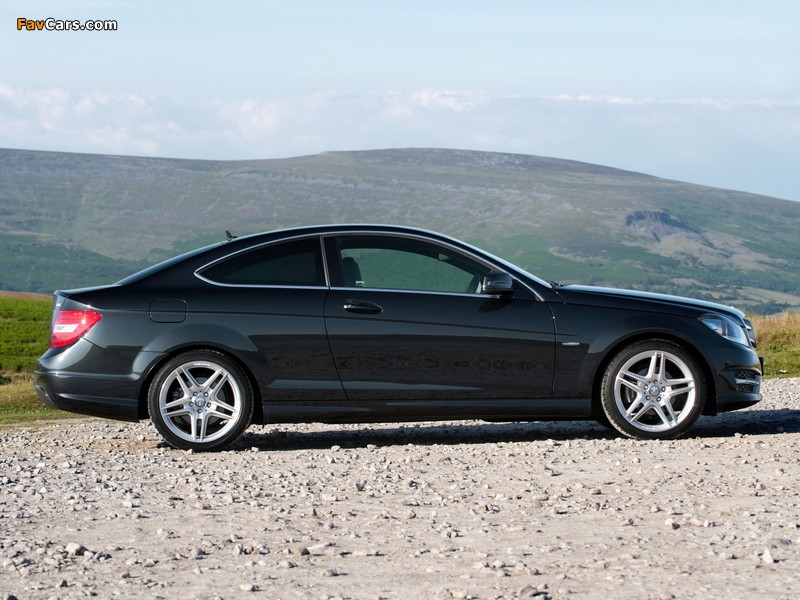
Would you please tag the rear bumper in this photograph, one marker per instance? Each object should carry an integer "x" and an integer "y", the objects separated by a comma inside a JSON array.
[
  {"x": 107, "y": 407},
  {"x": 90, "y": 381}
]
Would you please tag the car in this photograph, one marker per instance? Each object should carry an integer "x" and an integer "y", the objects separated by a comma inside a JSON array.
[{"x": 379, "y": 323}]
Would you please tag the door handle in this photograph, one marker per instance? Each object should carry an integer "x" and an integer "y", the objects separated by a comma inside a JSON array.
[{"x": 362, "y": 307}]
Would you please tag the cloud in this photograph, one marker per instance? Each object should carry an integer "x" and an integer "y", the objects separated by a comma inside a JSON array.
[
  {"x": 55, "y": 119},
  {"x": 703, "y": 102},
  {"x": 706, "y": 140}
]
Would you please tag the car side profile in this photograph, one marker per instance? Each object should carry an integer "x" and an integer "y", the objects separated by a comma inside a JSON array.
[{"x": 376, "y": 323}]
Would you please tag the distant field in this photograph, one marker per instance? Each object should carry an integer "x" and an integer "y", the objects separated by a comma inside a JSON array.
[
  {"x": 24, "y": 329},
  {"x": 25, "y": 295}
]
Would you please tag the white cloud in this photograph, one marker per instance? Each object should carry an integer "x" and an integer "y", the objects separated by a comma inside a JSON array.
[
  {"x": 703, "y": 102},
  {"x": 704, "y": 139}
]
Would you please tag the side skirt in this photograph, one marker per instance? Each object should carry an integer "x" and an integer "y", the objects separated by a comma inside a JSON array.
[{"x": 402, "y": 411}]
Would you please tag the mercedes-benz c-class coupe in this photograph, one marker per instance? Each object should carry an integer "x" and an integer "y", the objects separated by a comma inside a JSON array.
[{"x": 368, "y": 323}]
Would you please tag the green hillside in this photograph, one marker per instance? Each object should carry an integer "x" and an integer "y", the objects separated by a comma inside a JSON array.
[{"x": 70, "y": 220}]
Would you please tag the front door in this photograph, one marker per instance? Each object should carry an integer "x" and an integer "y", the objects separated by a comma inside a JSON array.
[{"x": 407, "y": 320}]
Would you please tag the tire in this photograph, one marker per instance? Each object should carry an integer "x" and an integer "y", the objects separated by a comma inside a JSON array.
[
  {"x": 200, "y": 400},
  {"x": 653, "y": 390}
]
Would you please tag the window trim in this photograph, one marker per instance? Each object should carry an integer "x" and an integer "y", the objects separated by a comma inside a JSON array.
[
  {"x": 471, "y": 255},
  {"x": 199, "y": 271},
  {"x": 322, "y": 237}
]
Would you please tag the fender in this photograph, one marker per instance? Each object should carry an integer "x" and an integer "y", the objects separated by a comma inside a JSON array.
[{"x": 585, "y": 337}]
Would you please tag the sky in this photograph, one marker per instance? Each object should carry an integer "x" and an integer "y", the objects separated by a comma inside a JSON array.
[{"x": 700, "y": 91}]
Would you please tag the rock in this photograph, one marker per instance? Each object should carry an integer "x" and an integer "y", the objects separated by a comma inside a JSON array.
[{"x": 75, "y": 549}]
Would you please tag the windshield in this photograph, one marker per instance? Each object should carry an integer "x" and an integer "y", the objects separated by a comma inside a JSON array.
[{"x": 509, "y": 266}]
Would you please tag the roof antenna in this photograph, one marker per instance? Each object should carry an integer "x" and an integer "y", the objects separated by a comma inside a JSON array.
[{"x": 229, "y": 235}]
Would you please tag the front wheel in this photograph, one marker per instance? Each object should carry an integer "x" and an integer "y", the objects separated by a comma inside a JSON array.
[
  {"x": 200, "y": 401},
  {"x": 653, "y": 390}
]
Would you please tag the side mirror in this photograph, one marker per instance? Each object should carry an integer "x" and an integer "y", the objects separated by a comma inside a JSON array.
[{"x": 498, "y": 283}]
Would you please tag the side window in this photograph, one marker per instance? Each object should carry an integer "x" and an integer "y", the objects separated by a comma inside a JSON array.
[
  {"x": 289, "y": 263},
  {"x": 385, "y": 262}
]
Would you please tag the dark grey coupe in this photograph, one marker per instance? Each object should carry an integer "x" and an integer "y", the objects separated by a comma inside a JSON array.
[{"x": 363, "y": 323}]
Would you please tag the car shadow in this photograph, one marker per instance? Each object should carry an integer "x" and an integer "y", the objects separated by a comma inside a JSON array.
[
  {"x": 748, "y": 422},
  {"x": 276, "y": 438},
  {"x": 419, "y": 434}
]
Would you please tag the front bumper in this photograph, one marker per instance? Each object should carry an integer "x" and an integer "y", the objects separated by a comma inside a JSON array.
[{"x": 739, "y": 386}]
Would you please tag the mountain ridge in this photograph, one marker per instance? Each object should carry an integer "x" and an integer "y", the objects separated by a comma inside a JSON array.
[{"x": 109, "y": 215}]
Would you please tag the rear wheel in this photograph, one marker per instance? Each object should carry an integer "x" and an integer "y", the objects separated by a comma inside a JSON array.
[
  {"x": 200, "y": 400},
  {"x": 653, "y": 390}
]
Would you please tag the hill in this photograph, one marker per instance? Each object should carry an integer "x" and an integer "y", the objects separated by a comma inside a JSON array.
[{"x": 70, "y": 220}]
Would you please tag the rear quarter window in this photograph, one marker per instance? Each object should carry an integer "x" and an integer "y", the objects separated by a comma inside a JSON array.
[{"x": 296, "y": 263}]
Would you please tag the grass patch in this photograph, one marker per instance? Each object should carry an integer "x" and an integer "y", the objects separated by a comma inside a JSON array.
[
  {"x": 19, "y": 403},
  {"x": 24, "y": 332},
  {"x": 779, "y": 343}
]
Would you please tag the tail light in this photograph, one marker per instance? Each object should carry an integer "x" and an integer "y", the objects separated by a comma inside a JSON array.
[{"x": 71, "y": 325}]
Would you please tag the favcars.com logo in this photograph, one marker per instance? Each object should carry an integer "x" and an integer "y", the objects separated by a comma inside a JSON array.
[{"x": 52, "y": 24}]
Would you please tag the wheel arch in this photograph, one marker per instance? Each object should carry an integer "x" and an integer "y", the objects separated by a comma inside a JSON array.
[
  {"x": 155, "y": 367},
  {"x": 709, "y": 407}
]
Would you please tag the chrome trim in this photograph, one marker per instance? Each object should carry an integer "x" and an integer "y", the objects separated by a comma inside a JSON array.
[
  {"x": 355, "y": 232},
  {"x": 257, "y": 247},
  {"x": 261, "y": 286},
  {"x": 404, "y": 291},
  {"x": 746, "y": 381}
]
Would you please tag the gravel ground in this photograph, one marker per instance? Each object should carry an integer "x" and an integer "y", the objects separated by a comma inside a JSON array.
[{"x": 446, "y": 510}]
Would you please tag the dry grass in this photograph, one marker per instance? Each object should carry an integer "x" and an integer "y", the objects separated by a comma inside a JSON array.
[
  {"x": 779, "y": 343},
  {"x": 20, "y": 404}
]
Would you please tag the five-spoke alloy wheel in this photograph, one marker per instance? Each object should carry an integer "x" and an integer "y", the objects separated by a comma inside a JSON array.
[
  {"x": 653, "y": 390},
  {"x": 200, "y": 400}
]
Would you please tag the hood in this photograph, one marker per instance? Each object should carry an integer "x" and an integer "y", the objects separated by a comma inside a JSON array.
[{"x": 591, "y": 294}]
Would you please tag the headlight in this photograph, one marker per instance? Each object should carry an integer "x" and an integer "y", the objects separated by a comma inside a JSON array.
[{"x": 727, "y": 328}]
